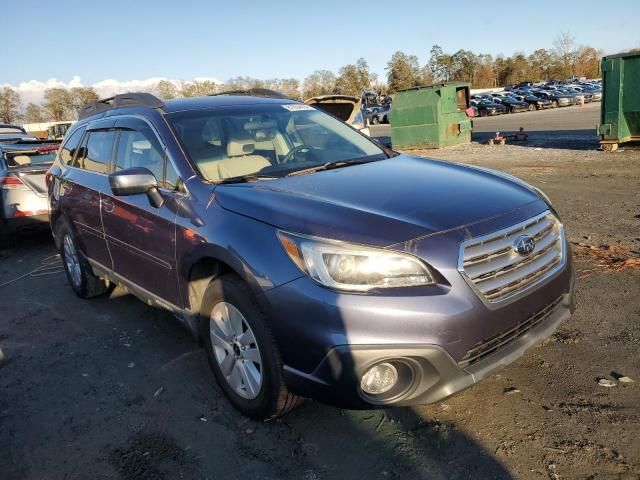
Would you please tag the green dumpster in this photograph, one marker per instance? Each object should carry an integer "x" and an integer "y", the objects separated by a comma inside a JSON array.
[
  {"x": 620, "y": 109},
  {"x": 432, "y": 116}
]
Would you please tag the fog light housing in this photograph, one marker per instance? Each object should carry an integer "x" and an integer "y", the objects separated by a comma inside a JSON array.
[{"x": 379, "y": 379}]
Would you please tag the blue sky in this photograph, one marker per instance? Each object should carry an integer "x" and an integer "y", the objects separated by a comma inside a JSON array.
[{"x": 134, "y": 39}]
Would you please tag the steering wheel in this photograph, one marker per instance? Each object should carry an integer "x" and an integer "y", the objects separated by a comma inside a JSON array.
[{"x": 292, "y": 153}]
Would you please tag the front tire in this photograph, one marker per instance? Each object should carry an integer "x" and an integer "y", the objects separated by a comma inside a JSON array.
[
  {"x": 375, "y": 121},
  {"x": 241, "y": 350},
  {"x": 532, "y": 107},
  {"x": 79, "y": 273}
]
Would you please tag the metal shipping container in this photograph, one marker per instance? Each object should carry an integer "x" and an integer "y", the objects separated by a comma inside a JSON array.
[
  {"x": 620, "y": 110},
  {"x": 431, "y": 116}
]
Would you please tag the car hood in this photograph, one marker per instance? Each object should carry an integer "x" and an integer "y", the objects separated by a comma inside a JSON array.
[{"x": 379, "y": 203}]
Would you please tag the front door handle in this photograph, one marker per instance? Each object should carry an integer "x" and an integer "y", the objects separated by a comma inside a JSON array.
[{"x": 107, "y": 205}]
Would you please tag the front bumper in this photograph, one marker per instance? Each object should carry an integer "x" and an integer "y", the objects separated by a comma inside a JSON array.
[
  {"x": 328, "y": 339},
  {"x": 436, "y": 375}
]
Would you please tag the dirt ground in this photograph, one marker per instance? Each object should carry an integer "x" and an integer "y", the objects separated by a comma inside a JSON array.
[{"x": 113, "y": 389}]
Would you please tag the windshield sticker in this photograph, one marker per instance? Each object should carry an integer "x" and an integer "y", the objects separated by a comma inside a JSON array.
[{"x": 295, "y": 107}]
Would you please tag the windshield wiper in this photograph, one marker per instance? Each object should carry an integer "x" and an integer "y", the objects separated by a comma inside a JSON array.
[
  {"x": 328, "y": 166},
  {"x": 246, "y": 179}
]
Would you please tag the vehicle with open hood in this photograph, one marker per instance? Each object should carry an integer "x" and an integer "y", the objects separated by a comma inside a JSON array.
[{"x": 344, "y": 107}]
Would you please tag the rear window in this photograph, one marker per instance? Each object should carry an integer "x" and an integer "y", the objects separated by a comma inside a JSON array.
[
  {"x": 41, "y": 156},
  {"x": 11, "y": 130}
]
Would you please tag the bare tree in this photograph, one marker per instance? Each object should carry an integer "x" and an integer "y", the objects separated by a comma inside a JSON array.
[
  {"x": 58, "y": 104},
  {"x": 33, "y": 114},
  {"x": 288, "y": 86},
  {"x": 320, "y": 82},
  {"x": 565, "y": 47},
  {"x": 9, "y": 105},
  {"x": 165, "y": 90},
  {"x": 198, "y": 88},
  {"x": 80, "y": 96}
]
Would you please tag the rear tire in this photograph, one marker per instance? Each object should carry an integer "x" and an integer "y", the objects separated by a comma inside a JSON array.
[
  {"x": 483, "y": 113},
  {"x": 554, "y": 104},
  {"x": 532, "y": 107},
  {"x": 375, "y": 121},
  {"x": 242, "y": 351},
  {"x": 79, "y": 273}
]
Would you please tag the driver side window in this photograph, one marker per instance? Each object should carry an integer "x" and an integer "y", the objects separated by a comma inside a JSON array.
[{"x": 140, "y": 148}]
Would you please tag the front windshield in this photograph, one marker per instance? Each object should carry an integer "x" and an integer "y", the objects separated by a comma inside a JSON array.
[{"x": 266, "y": 140}]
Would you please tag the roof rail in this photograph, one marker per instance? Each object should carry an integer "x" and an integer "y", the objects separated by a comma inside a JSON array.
[
  {"x": 253, "y": 92},
  {"x": 123, "y": 100}
]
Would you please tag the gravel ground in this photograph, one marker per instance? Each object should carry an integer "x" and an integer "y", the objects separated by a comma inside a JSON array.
[{"x": 113, "y": 389}]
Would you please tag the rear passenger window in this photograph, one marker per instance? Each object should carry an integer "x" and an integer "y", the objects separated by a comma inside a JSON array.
[
  {"x": 70, "y": 146},
  {"x": 140, "y": 149},
  {"x": 97, "y": 153}
]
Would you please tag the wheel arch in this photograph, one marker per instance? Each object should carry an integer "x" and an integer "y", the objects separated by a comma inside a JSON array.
[
  {"x": 208, "y": 265},
  {"x": 200, "y": 273}
]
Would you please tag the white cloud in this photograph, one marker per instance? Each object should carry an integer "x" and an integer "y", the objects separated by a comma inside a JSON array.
[{"x": 33, "y": 90}]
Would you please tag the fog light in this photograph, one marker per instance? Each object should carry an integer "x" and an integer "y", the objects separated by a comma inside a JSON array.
[{"x": 379, "y": 379}]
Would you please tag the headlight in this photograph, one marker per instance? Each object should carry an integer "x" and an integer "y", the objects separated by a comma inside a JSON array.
[{"x": 345, "y": 266}]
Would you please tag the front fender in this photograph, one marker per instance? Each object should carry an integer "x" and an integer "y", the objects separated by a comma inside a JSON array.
[{"x": 248, "y": 247}]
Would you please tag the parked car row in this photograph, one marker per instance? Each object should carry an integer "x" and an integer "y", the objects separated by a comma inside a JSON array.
[{"x": 526, "y": 96}]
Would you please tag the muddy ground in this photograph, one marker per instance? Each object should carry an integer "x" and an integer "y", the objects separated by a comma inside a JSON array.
[{"x": 113, "y": 389}]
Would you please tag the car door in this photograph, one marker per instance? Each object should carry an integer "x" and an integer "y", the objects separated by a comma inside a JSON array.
[
  {"x": 141, "y": 237},
  {"x": 82, "y": 185}
]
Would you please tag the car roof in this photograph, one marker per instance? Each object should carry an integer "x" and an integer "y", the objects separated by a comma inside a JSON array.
[{"x": 141, "y": 102}]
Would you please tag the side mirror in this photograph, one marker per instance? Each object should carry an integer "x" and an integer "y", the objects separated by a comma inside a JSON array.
[{"x": 135, "y": 181}]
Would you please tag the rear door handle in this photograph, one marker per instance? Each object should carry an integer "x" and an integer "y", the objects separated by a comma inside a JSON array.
[{"x": 107, "y": 205}]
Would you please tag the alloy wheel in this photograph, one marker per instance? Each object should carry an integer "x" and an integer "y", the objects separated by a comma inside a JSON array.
[
  {"x": 235, "y": 350},
  {"x": 71, "y": 261}
]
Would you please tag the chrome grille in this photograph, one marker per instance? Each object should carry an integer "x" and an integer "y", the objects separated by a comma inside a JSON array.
[{"x": 497, "y": 272}]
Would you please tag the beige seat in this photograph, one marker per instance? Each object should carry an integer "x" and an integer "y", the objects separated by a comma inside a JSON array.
[
  {"x": 22, "y": 160},
  {"x": 240, "y": 161}
]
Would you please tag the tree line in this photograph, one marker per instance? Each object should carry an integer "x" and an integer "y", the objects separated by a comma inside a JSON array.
[{"x": 565, "y": 60}]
